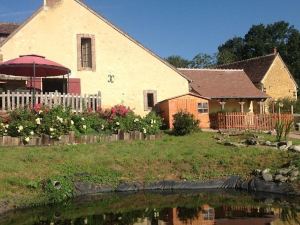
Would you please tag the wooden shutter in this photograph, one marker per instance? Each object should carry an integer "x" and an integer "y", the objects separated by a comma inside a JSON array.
[{"x": 74, "y": 86}]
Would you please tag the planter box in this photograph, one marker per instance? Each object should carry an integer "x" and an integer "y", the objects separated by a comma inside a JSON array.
[
  {"x": 136, "y": 135},
  {"x": 34, "y": 141},
  {"x": 150, "y": 137},
  {"x": 46, "y": 139},
  {"x": 114, "y": 137},
  {"x": 124, "y": 136},
  {"x": 71, "y": 137}
]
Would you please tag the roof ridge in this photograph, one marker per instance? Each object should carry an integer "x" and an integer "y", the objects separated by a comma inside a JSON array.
[
  {"x": 250, "y": 59},
  {"x": 211, "y": 69},
  {"x": 9, "y": 23}
]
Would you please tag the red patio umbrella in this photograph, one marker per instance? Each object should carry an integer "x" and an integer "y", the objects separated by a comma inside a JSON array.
[{"x": 33, "y": 66}]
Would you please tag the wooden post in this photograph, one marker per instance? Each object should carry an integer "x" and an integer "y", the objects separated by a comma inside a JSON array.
[
  {"x": 222, "y": 105},
  {"x": 242, "y": 106},
  {"x": 292, "y": 109},
  {"x": 261, "y": 107}
]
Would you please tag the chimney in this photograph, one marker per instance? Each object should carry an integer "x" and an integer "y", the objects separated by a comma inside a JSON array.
[
  {"x": 51, "y": 3},
  {"x": 275, "y": 50}
]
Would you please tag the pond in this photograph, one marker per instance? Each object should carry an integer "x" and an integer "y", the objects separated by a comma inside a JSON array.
[{"x": 164, "y": 208}]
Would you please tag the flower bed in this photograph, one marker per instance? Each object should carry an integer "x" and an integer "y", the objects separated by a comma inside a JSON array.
[{"x": 44, "y": 126}]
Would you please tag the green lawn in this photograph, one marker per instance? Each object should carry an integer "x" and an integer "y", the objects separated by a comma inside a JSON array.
[{"x": 194, "y": 157}]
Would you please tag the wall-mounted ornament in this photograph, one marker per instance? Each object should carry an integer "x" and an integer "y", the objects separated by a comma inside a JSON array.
[{"x": 111, "y": 78}]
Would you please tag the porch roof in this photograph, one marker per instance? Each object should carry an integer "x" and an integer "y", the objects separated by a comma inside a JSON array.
[{"x": 223, "y": 84}]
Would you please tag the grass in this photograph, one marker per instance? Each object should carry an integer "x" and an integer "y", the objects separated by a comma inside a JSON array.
[{"x": 194, "y": 157}]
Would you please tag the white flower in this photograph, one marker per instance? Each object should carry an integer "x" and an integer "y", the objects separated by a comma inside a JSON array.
[
  {"x": 152, "y": 121},
  {"x": 26, "y": 139},
  {"x": 136, "y": 120},
  {"x": 151, "y": 125},
  {"x": 102, "y": 127},
  {"x": 6, "y": 126},
  {"x": 21, "y": 127},
  {"x": 82, "y": 119},
  {"x": 31, "y": 133},
  {"x": 38, "y": 121},
  {"x": 117, "y": 123},
  {"x": 59, "y": 119},
  {"x": 51, "y": 136},
  {"x": 144, "y": 130},
  {"x": 41, "y": 111},
  {"x": 51, "y": 129},
  {"x": 72, "y": 122},
  {"x": 59, "y": 138},
  {"x": 84, "y": 127},
  {"x": 2, "y": 125}
]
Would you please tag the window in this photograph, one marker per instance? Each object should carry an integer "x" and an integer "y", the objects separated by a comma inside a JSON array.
[
  {"x": 86, "y": 58},
  {"x": 150, "y": 99},
  {"x": 86, "y": 53},
  {"x": 209, "y": 214},
  {"x": 203, "y": 107}
]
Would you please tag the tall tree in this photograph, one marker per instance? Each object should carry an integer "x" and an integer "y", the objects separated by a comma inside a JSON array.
[
  {"x": 261, "y": 40},
  {"x": 203, "y": 60},
  {"x": 178, "y": 61}
]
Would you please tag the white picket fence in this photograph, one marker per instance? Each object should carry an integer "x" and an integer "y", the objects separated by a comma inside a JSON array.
[{"x": 78, "y": 103}]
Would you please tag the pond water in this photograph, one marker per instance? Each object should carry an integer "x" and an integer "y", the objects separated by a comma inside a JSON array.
[{"x": 167, "y": 208}]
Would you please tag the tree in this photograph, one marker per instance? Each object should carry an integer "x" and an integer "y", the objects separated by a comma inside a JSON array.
[
  {"x": 261, "y": 40},
  {"x": 178, "y": 61},
  {"x": 231, "y": 50},
  {"x": 203, "y": 60}
]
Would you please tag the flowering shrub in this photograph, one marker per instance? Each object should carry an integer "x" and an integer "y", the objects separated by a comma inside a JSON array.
[
  {"x": 151, "y": 124},
  {"x": 3, "y": 129},
  {"x": 80, "y": 123},
  {"x": 22, "y": 124},
  {"x": 54, "y": 122},
  {"x": 96, "y": 123},
  {"x": 58, "y": 121}
]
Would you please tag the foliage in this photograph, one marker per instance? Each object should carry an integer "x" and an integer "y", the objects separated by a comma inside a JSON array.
[
  {"x": 288, "y": 128},
  {"x": 203, "y": 61},
  {"x": 279, "y": 128},
  {"x": 261, "y": 40},
  {"x": 54, "y": 122},
  {"x": 3, "y": 129},
  {"x": 22, "y": 124},
  {"x": 283, "y": 129},
  {"x": 59, "y": 188},
  {"x": 178, "y": 61},
  {"x": 285, "y": 105},
  {"x": 97, "y": 123},
  {"x": 184, "y": 123},
  {"x": 151, "y": 124},
  {"x": 80, "y": 123}
]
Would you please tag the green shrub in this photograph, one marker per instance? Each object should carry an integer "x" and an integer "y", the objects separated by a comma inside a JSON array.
[
  {"x": 283, "y": 129},
  {"x": 185, "y": 123},
  {"x": 55, "y": 122},
  {"x": 22, "y": 124},
  {"x": 59, "y": 188},
  {"x": 96, "y": 123},
  {"x": 80, "y": 124},
  {"x": 151, "y": 124}
]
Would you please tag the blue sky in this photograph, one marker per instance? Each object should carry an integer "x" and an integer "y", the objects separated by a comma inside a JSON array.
[{"x": 183, "y": 27}]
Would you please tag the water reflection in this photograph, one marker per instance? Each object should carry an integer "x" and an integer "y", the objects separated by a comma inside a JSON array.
[{"x": 204, "y": 208}]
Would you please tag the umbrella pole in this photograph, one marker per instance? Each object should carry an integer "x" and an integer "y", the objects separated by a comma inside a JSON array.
[
  {"x": 68, "y": 90},
  {"x": 33, "y": 95}
]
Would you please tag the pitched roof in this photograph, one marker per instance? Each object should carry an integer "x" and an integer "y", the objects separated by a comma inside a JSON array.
[
  {"x": 255, "y": 68},
  {"x": 80, "y": 2},
  {"x": 8, "y": 28},
  {"x": 222, "y": 83}
]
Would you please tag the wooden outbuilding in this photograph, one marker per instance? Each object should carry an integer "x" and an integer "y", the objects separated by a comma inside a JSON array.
[{"x": 191, "y": 103}]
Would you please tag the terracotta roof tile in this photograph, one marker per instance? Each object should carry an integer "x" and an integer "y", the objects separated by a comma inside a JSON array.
[
  {"x": 8, "y": 28},
  {"x": 255, "y": 68},
  {"x": 221, "y": 83}
]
